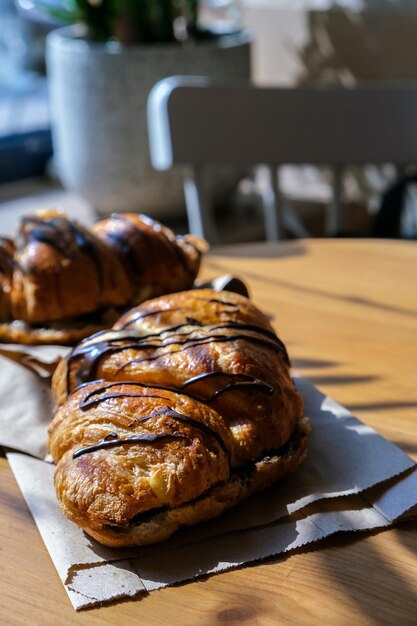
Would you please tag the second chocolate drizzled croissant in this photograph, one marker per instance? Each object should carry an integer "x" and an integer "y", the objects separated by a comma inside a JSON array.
[{"x": 57, "y": 269}]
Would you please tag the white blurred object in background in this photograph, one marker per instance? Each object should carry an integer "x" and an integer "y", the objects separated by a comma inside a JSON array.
[{"x": 221, "y": 16}]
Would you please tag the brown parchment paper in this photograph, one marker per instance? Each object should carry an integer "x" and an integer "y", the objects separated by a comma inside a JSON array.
[
  {"x": 346, "y": 458},
  {"x": 26, "y": 402}
]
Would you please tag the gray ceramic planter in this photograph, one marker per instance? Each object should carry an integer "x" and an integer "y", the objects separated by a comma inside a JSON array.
[{"x": 98, "y": 96}]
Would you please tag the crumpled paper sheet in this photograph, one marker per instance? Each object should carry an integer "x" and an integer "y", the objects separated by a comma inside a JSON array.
[
  {"x": 26, "y": 402},
  {"x": 345, "y": 458}
]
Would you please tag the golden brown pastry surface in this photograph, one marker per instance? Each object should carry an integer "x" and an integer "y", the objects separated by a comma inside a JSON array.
[
  {"x": 154, "y": 260},
  {"x": 208, "y": 344},
  {"x": 197, "y": 356},
  {"x": 61, "y": 332},
  {"x": 113, "y": 484},
  {"x": 7, "y": 251},
  {"x": 57, "y": 271}
]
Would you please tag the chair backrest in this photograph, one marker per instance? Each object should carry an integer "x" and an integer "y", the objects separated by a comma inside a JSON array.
[{"x": 193, "y": 121}]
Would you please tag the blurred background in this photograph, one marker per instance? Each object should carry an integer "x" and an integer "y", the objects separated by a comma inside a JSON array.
[{"x": 270, "y": 43}]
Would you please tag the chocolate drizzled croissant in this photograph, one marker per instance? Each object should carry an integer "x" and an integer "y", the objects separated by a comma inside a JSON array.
[
  {"x": 57, "y": 270},
  {"x": 180, "y": 411},
  {"x": 7, "y": 250}
]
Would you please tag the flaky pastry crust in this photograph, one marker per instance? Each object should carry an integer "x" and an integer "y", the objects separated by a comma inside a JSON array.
[{"x": 167, "y": 367}]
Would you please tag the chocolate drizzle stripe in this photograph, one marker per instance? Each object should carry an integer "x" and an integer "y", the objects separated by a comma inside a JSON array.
[
  {"x": 92, "y": 353},
  {"x": 185, "y": 419},
  {"x": 87, "y": 402},
  {"x": 245, "y": 381},
  {"x": 7, "y": 262},
  {"x": 178, "y": 252},
  {"x": 197, "y": 344},
  {"x": 62, "y": 235},
  {"x": 86, "y": 242},
  {"x": 96, "y": 396},
  {"x": 128, "y": 441},
  {"x": 123, "y": 248},
  {"x": 139, "y": 315},
  {"x": 257, "y": 329},
  {"x": 119, "y": 335},
  {"x": 123, "y": 239},
  {"x": 118, "y": 217},
  {"x": 109, "y": 385},
  {"x": 171, "y": 242},
  {"x": 97, "y": 381},
  {"x": 44, "y": 231}
]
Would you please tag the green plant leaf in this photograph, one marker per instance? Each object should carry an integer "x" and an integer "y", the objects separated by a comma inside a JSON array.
[{"x": 128, "y": 21}]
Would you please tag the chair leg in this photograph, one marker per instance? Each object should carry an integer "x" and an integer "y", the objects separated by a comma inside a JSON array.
[
  {"x": 293, "y": 225},
  {"x": 280, "y": 219},
  {"x": 334, "y": 214},
  {"x": 271, "y": 205},
  {"x": 200, "y": 219}
]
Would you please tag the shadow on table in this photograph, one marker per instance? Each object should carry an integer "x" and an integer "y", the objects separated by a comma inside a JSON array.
[
  {"x": 406, "y": 534},
  {"x": 380, "y": 590},
  {"x": 405, "y": 446},
  {"x": 312, "y": 363},
  {"x": 341, "y": 380},
  {"x": 305, "y": 287},
  {"x": 382, "y": 406},
  {"x": 260, "y": 250}
]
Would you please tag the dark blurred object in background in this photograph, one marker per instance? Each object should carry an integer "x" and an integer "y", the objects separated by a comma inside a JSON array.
[
  {"x": 24, "y": 155},
  {"x": 397, "y": 216}
]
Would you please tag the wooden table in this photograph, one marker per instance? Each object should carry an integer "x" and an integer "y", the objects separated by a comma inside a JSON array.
[{"x": 347, "y": 311}]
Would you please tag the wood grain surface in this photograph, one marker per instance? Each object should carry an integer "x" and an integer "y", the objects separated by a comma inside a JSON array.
[{"x": 347, "y": 310}]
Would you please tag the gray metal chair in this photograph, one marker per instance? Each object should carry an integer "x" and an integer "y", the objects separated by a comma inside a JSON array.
[{"x": 193, "y": 122}]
